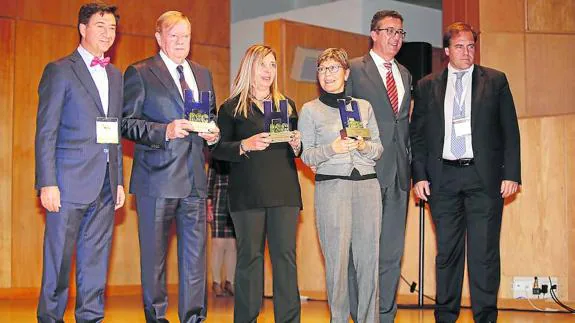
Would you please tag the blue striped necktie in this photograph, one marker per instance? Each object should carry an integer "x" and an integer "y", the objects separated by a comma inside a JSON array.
[{"x": 458, "y": 143}]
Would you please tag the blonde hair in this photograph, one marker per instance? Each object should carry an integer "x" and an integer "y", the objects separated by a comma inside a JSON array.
[
  {"x": 337, "y": 54},
  {"x": 244, "y": 80},
  {"x": 169, "y": 19}
]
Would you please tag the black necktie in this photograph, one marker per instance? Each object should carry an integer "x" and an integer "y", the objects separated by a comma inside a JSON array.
[{"x": 183, "y": 83}]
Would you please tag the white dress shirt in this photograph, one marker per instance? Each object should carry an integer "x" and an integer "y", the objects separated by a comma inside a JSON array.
[
  {"x": 99, "y": 76},
  {"x": 188, "y": 75},
  {"x": 379, "y": 61},
  {"x": 448, "y": 110}
]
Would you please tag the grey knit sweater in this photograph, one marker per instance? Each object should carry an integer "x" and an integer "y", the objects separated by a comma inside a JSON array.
[{"x": 320, "y": 124}]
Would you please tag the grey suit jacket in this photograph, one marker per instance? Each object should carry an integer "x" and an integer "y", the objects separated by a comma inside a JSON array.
[
  {"x": 67, "y": 154},
  {"x": 366, "y": 83},
  {"x": 165, "y": 169}
]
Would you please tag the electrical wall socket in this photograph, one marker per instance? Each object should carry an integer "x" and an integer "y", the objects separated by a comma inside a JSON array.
[{"x": 522, "y": 286}]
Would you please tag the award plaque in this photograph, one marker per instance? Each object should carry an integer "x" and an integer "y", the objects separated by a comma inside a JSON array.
[
  {"x": 198, "y": 113},
  {"x": 277, "y": 122},
  {"x": 351, "y": 120}
]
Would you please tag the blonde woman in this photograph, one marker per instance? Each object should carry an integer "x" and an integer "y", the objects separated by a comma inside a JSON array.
[
  {"x": 347, "y": 193},
  {"x": 264, "y": 193}
]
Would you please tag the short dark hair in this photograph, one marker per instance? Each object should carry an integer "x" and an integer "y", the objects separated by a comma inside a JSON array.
[
  {"x": 454, "y": 29},
  {"x": 378, "y": 16},
  {"x": 384, "y": 14},
  {"x": 89, "y": 9}
]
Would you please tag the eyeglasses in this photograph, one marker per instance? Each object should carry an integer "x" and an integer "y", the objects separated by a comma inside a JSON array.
[
  {"x": 332, "y": 69},
  {"x": 390, "y": 31}
]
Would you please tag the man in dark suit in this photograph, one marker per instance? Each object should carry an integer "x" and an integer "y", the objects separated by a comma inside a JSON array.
[
  {"x": 386, "y": 84},
  {"x": 466, "y": 160},
  {"x": 168, "y": 175},
  {"x": 79, "y": 167}
]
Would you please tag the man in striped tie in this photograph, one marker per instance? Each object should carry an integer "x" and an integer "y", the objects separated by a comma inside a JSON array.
[
  {"x": 466, "y": 161},
  {"x": 386, "y": 84}
]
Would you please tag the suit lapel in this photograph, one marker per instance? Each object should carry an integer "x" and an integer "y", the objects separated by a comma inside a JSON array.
[
  {"x": 81, "y": 70},
  {"x": 372, "y": 73},
  {"x": 440, "y": 87},
  {"x": 477, "y": 86},
  {"x": 114, "y": 83},
  {"x": 159, "y": 68},
  {"x": 405, "y": 103}
]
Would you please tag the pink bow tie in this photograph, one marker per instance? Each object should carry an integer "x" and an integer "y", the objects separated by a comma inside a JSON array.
[{"x": 102, "y": 62}]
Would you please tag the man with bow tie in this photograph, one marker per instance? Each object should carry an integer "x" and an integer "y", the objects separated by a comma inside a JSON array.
[
  {"x": 168, "y": 174},
  {"x": 79, "y": 167}
]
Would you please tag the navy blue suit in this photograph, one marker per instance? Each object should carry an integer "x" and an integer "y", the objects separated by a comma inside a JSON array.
[
  {"x": 169, "y": 181},
  {"x": 87, "y": 175}
]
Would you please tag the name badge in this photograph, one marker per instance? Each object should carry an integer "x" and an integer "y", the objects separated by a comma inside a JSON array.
[
  {"x": 462, "y": 127},
  {"x": 107, "y": 130}
]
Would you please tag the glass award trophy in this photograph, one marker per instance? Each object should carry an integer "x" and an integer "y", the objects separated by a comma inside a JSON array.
[
  {"x": 198, "y": 113},
  {"x": 277, "y": 122},
  {"x": 351, "y": 120}
]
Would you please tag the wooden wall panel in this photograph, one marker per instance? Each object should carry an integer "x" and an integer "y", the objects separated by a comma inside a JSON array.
[
  {"x": 210, "y": 19},
  {"x": 7, "y": 38},
  {"x": 535, "y": 223},
  {"x": 570, "y": 201},
  {"x": 549, "y": 75},
  {"x": 8, "y": 8},
  {"x": 217, "y": 60},
  {"x": 502, "y": 16},
  {"x": 465, "y": 11},
  {"x": 512, "y": 63},
  {"x": 551, "y": 16},
  {"x": 64, "y": 12},
  {"x": 211, "y": 22},
  {"x": 139, "y": 18}
]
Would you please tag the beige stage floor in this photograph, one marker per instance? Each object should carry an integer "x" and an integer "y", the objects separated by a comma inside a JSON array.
[{"x": 127, "y": 309}]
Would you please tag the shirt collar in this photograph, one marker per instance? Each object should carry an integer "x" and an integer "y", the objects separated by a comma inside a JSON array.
[
  {"x": 169, "y": 63},
  {"x": 87, "y": 57},
  {"x": 378, "y": 60},
  {"x": 452, "y": 70}
]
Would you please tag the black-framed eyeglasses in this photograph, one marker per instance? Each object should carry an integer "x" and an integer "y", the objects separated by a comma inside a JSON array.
[
  {"x": 332, "y": 69},
  {"x": 390, "y": 31}
]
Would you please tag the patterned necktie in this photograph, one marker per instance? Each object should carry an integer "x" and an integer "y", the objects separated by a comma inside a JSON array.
[
  {"x": 458, "y": 143},
  {"x": 391, "y": 88},
  {"x": 183, "y": 83}
]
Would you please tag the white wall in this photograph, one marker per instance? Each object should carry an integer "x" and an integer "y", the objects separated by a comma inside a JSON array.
[
  {"x": 421, "y": 23},
  {"x": 248, "y": 9}
]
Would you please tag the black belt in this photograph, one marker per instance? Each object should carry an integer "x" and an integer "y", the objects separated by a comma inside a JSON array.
[{"x": 463, "y": 162}]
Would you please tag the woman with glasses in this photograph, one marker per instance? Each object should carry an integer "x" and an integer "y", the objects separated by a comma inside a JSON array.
[
  {"x": 347, "y": 193},
  {"x": 264, "y": 192}
]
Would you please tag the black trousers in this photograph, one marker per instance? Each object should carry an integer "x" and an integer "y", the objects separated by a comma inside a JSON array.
[
  {"x": 462, "y": 210},
  {"x": 279, "y": 225}
]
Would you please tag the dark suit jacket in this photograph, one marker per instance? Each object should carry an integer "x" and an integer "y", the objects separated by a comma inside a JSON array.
[
  {"x": 67, "y": 154},
  {"x": 366, "y": 83},
  {"x": 162, "y": 169},
  {"x": 494, "y": 129},
  {"x": 266, "y": 178}
]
